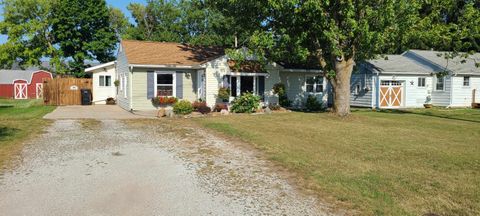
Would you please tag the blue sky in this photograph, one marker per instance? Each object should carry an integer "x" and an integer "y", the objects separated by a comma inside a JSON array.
[{"x": 122, "y": 4}]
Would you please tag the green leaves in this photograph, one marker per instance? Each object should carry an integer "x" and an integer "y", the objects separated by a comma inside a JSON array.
[{"x": 57, "y": 30}]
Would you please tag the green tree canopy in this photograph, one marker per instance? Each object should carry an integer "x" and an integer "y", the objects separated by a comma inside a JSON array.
[
  {"x": 335, "y": 35},
  {"x": 62, "y": 31}
]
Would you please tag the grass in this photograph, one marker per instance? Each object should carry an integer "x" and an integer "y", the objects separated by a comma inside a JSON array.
[
  {"x": 19, "y": 123},
  {"x": 374, "y": 163}
]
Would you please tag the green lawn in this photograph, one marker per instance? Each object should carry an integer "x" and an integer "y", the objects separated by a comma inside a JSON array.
[
  {"x": 376, "y": 163},
  {"x": 18, "y": 123}
]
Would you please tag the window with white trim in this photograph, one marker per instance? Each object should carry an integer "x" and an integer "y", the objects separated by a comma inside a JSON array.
[
  {"x": 440, "y": 84},
  {"x": 466, "y": 81},
  {"x": 105, "y": 80},
  {"x": 314, "y": 84},
  {"x": 165, "y": 84},
  {"x": 421, "y": 82}
]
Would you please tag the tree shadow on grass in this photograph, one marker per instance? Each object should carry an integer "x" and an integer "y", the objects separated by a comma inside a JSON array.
[
  {"x": 427, "y": 113},
  {"x": 6, "y": 132}
]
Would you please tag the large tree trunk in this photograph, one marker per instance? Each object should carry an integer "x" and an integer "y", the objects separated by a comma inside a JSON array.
[{"x": 341, "y": 87}]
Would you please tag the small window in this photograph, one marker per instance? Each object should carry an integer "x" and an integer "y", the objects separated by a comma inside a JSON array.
[
  {"x": 421, "y": 82},
  {"x": 233, "y": 86},
  {"x": 466, "y": 81},
  {"x": 164, "y": 85},
  {"x": 440, "y": 84},
  {"x": 357, "y": 89},
  {"x": 314, "y": 84},
  {"x": 105, "y": 80}
]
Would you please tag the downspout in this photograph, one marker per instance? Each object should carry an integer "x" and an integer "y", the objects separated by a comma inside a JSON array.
[
  {"x": 377, "y": 92},
  {"x": 451, "y": 91}
]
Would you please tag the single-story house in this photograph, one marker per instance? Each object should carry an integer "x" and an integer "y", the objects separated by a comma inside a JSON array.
[
  {"x": 410, "y": 80},
  {"x": 103, "y": 78},
  {"x": 149, "y": 69},
  {"x": 23, "y": 84}
]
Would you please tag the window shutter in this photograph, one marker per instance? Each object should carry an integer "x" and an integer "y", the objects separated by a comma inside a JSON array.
[
  {"x": 179, "y": 85},
  {"x": 261, "y": 85},
  {"x": 150, "y": 84}
]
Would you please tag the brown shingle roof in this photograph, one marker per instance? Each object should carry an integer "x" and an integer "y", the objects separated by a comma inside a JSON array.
[{"x": 166, "y": 53}]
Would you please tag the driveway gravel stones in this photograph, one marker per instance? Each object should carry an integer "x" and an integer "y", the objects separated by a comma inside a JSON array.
[{"x": 144, "y": 167}]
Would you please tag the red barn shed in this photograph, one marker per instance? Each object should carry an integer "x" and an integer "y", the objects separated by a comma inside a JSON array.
[{"x": 22, "y": 84}]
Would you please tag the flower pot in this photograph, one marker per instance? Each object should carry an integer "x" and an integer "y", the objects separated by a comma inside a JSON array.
[{"x": 427, "y": 106}]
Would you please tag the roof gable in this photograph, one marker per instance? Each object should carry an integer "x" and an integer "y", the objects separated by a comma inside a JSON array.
[
  {"x": 9, "y": 76},
  {"x": 166, "y": 53}
]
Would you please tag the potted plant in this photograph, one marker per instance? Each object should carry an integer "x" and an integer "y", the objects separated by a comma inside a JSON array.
[
  {"x": 428, "y": 102},
  {"x": 224, "y": 94},
  {"x": 110, "y": 101}
]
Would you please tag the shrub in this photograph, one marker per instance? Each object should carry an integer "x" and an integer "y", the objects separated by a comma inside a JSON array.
[
  {"x": 224, "y": 93},
  {"x": 274, "y": 107},
  {"x": 183, "y": 107},
  {"x": 198, "y": 104},
  {"x": 247, "y": 103},
  {"x": 313, "y": 104},
  {"x": 280, "y": 90},
  {"x": 163, "y": 100},
  {"x": 204, "y": 110},
  {"x": 219, "y": 106}
]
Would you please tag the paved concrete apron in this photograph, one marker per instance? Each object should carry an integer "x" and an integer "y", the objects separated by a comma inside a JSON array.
[{"x": 143, "y": 168}]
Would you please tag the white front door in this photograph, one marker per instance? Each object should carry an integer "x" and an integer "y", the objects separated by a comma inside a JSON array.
[
  {"x": 20, "y": 90},
  {"x": 39, "y": 90}
]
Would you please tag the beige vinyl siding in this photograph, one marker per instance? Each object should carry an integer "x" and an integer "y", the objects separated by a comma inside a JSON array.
[
  {"x": 214, "y": 72},
  {"x": 123, "y": 70},
  {"x": 140, "y": 86}
]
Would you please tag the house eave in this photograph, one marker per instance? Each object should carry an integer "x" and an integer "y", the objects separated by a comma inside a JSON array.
[
  {"x": 301, "y": 70},
  {"x": 167, "y": 66},
  {"x": 91, "y": 69}
]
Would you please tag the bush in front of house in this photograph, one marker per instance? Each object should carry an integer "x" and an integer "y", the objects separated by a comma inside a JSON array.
[
  {"x": 219, "y": 106},
  {"x": 313, "y": 104},
  {"x": 159, "y": 101},
  {"x": 183, "y": 107},
  {"x": 247, "y": 103},
  {"x": 274, "y": 107},
  {"x": 224, "y": 94},
  {"x": 201, "y": 107},
  {"x": 280, "y": 90}
]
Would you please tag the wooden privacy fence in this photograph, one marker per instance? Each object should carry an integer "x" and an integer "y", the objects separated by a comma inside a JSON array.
[{"x": 65, "y": 91}]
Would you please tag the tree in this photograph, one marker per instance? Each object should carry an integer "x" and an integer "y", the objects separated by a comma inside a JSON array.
[
  {"x": 335, "y": 35},
  {"x": 59, "y": 31},
  {"x": 30, "y": 37},
  {"x": 83, "y": 31},
  {"x": 186, "y": 21},
  {"x": 119, "y": 21}
]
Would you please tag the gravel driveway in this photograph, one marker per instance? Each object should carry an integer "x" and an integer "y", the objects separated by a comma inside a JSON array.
[{"x": 144, "y": 167}]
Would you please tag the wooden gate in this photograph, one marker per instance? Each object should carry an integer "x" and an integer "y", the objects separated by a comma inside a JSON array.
[{"x": 65, "y": 91}]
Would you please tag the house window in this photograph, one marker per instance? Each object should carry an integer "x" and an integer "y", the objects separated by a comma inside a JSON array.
[
  {"x": 164, "y": 84},
  {"x": 466, "y": 81},
  {"x": 421, "y": 82},
  {"x": 440, "y": 84},
  {"x": 233, "y": 86},
  {"x": 357, "y": 89},
  {"x": 105, "y": 80},
  {"x": 314, "y": 84}
]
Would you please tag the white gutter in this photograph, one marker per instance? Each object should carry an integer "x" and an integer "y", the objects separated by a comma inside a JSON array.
[
  {"x": 90, "y": 69},
  {"x": 167, "y": 66},
  {"x": 302, "y": 70}
]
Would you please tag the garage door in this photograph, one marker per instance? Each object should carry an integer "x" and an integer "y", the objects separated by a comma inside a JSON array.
[{"x": 391, "y": 94}]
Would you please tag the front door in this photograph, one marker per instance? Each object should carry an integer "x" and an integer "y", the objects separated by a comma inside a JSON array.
[
  {"x": 20, "y": 90},
  {"x": 39, "y": 90},
  {"x": 391, "y": 94}
]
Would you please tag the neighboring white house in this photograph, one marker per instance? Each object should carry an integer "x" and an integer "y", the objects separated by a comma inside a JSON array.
[
  {"x": 149, "y": 69},
  {"x": 103, "y": 76},
  {"x": 410, "y": 80}
]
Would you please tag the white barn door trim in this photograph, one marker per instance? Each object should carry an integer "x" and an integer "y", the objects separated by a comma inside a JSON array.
[
  {"x": 20, "y": 90},
  {"x": 39, "y": 90},
  {"x": 391, "y": 94}
]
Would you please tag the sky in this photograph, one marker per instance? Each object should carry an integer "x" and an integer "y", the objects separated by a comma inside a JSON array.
[{"x": 122, "y": 4}]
